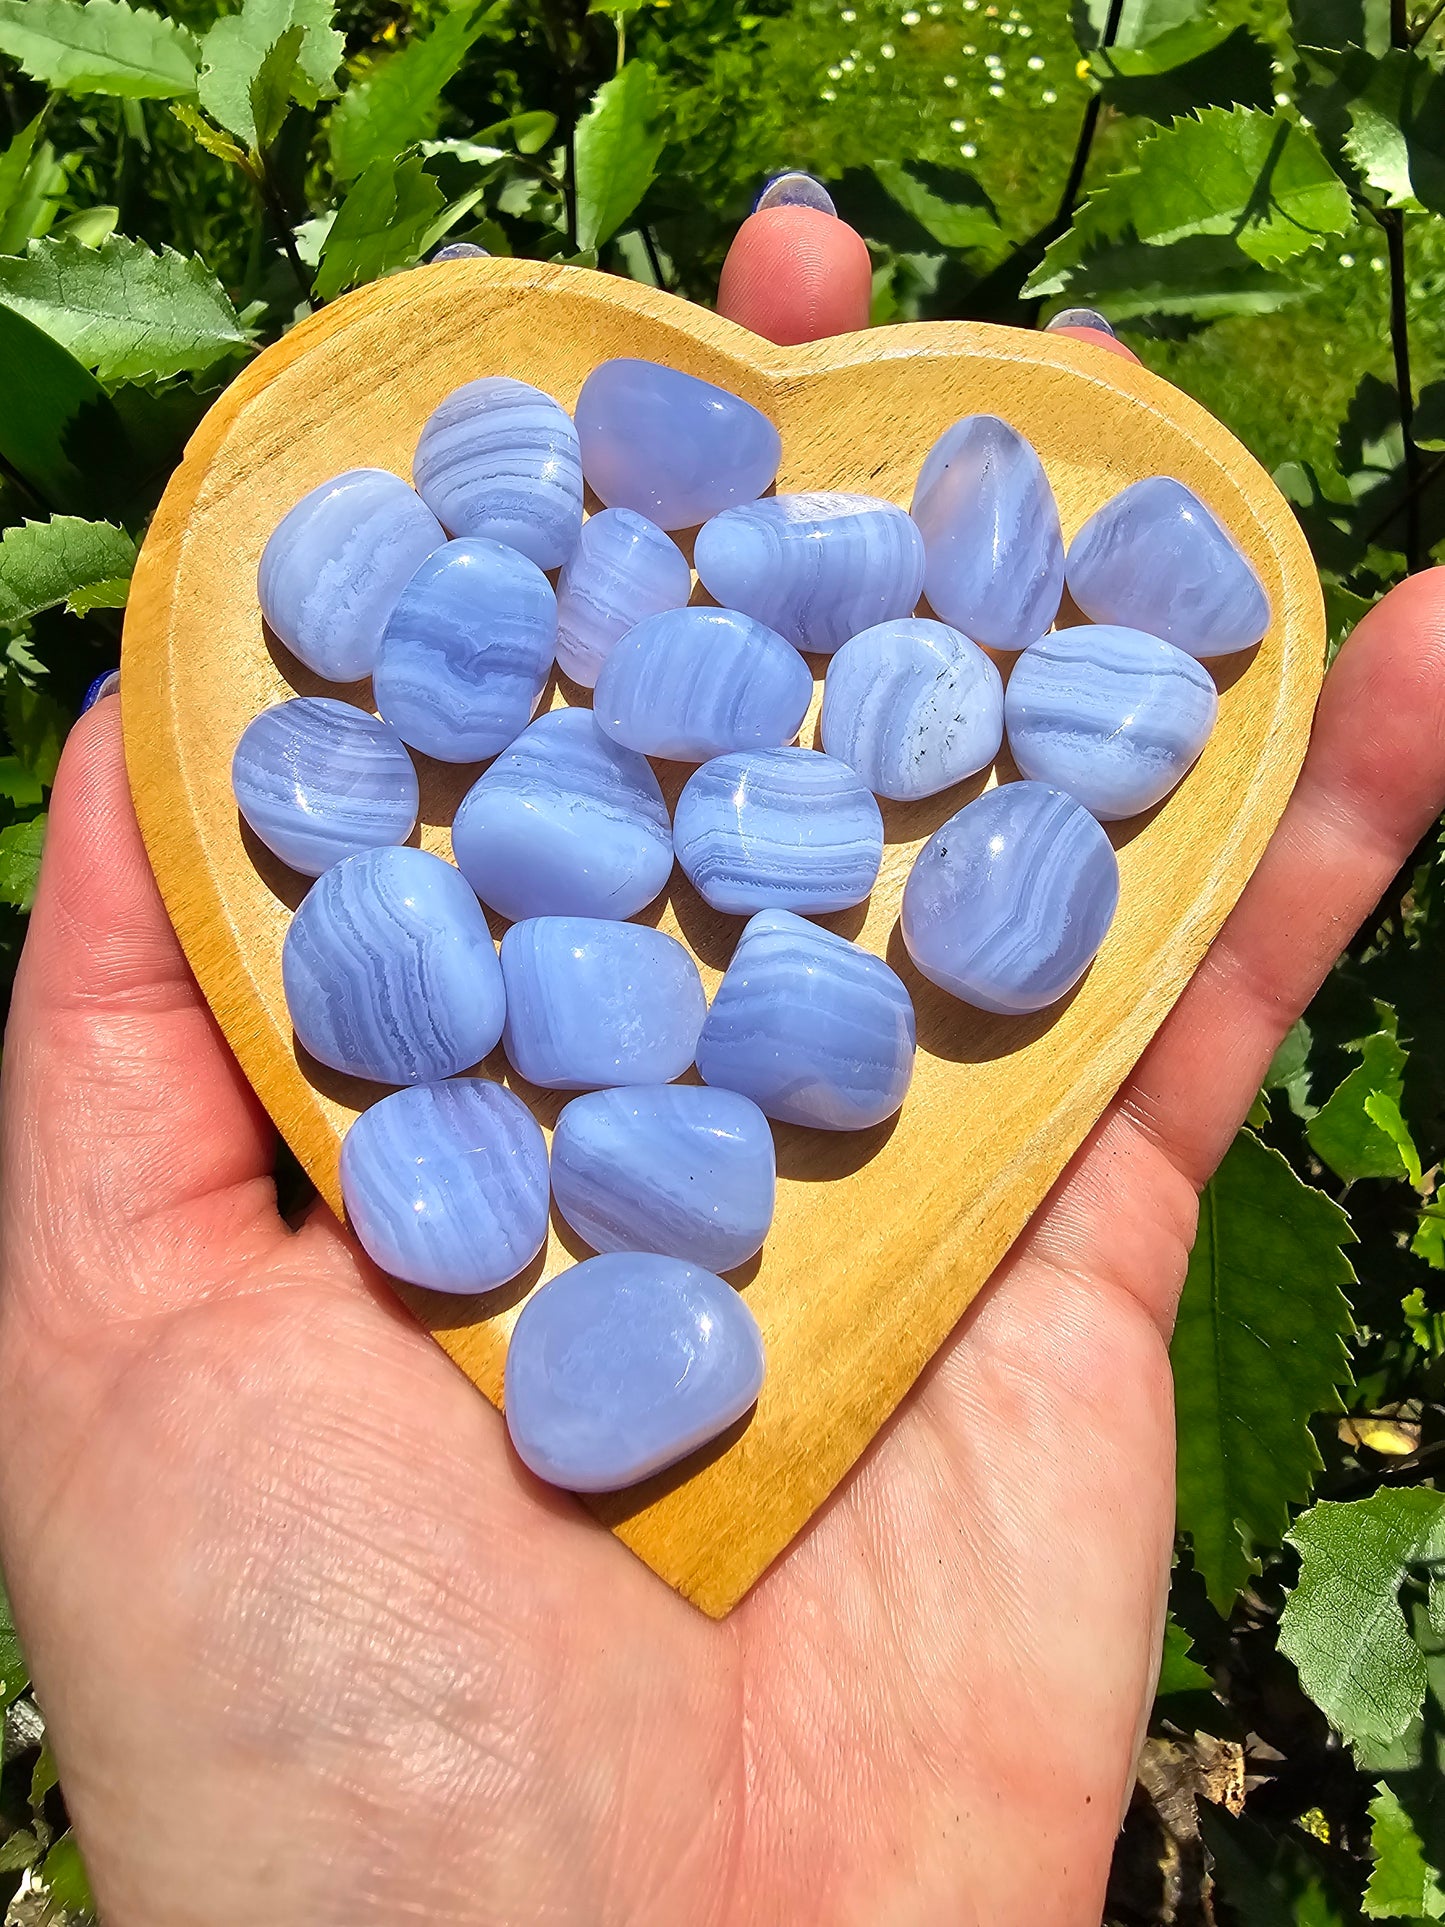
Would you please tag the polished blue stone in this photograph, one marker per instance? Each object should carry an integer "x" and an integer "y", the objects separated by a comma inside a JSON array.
[
  {"x": 694, "y": 683},
  {"x": 335, "y": 565},
  {"x": 1008, "y": 902},
  {"x": 592, "y": 1003},
  {"x": 816, "y": 567},
  {"x": 446, "y": 1184},
  {"x": 1155, "y": 558},
  {"x": 625, "y": 1364},
  {"x": 624, "y": 568},
  {"x": 778, "y": 829},
  {"x": 991, "y": 530},
  {"x": 1113, "y": 716},
  {"x": 673, "y": 1168},
  {"x": 913, "y": 707},
  {"x": 467, "y": 651},
  {"x": 499, "y": 458},
  {"x": 390, "y": 971},
  {"x": 795, "y": 190},
  {"x": 318, "y": 780},
  {"x": 565, "y": 823},
  {"x": 812, "y": 1028},
  {"x": 672, "y": 447}
]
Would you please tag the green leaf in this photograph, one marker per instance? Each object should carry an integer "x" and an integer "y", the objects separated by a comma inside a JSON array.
[
  {"x": 399, "y": 101},
  {"x": 1353, "y": 1132},
  {"x": 36, "y": 726},
  {"x": 45, "y": 563},
  {"x": 618, "y": 142},
  {"x": 20, "y": 848},
  {"x": 58, "y": 428},
  {"x": 1258, "y": 1350},
  {"x": 1289, "y": 1069},
  {"x": 1402, "y": 1880},
  {"x": 529, "y": 132},
  {"x": 233, "y": 51},
  {"x": 274, "y": 87},
  {"x": 65, "y": 1879},
  {"x": 211, "y": 138},
  {"x": 44, "y": 1779},
  {"x": 21, "y": 1850},
  {"x": 1200, "y": 64},
  {"x": 382, "y": 225},
  {"x": 103, "y": 47},
  {"x": 1341, "y": 23},
  {"x": 1397, "y": 131},
  {"x": 1139, "y": 22},
  {"x": 949, "y": 206},
  {"x": 1429, "y": 1240},
  {"x": 1266, "y": 1880},
  {"x": 617, "y": 9},
  {"x": 124, "y": 312},
  {"x": 35, "y": 188},
  {"x": 1205, "y": 279},
  {"x": 18, "y": 785},
  {"x": 1179, "y": 1673},
  {"x": 14, "y": 1674}
]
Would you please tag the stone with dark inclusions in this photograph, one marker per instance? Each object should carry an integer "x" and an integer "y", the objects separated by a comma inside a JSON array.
[
  {"x": 913, "y": 707},
  {"x": 318, "y": 780},
  {"x": 498, "y": 458},
  {"x": 623, "y": 568}
]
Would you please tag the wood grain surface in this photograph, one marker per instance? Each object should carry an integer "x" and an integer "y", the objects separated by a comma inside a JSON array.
[{"x": 881, "y": 1237}]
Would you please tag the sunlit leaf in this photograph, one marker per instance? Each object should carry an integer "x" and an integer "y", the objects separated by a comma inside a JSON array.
[
  {"x": 235, "y": 47},
  {"x": 43, "y": 564},
  {"x": 1178, "y": 1672},
  {"x": 1402, "y": 1879},
  {"x": 102, "y": 47},
  {"x": 399, "y": 102},
  {"x": 950, "y": 207},
  {"x": 618, "y": 142},
  {"x": 1359, "y": 1132},
  {"x": 383, "y": 224},
  {"x": 20, "y": 848}
]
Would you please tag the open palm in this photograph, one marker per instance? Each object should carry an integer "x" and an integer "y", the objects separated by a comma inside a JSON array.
[{"x": 282, "y": 1582}]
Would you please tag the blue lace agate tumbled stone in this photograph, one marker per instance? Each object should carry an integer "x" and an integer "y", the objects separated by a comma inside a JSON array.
[
  {"x": 446, "y": 1184},
  {"x": 912, "y": 706},
  {"x": 624, "y": 568},
  {"x": 467, "y": 651},
  {"x": 666, "y": 1167},
  {"x": 1155, "y": 558},
  {"x": 335, "y": 565},
  {"x": 778, "y": 829},
  {"x": 991, "y": 531},
  {"x": 499, "y": 458},
  {"x": 816, "y": 567},
  {"x": 1113, "y": 716},
  {"x": 390, "y": 971},
  {"x": 625, "y": 1364},
  {"x": 565, "y": 823},
  {"x": 811, "y": 1028},
  {"x": 1008, "y": 902},
  {"x": 694, "y": 683},
  {"x": 318, "y": 780},
  {"x": 672, "y": 447},
  {"x": 592, "y": 1003}
]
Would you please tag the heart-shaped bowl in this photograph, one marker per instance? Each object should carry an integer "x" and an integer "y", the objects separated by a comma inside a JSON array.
[{"x": 881, "y": 1237}]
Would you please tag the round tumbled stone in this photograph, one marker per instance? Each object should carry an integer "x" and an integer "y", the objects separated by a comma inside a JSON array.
[
  {"x": 624, "y": 568},
  {"x": 333, "y": 568},
  {"x": 499, "y": 459},
  {"x": 318, "y": 780},
  {"x": 913, "y": 707},
  {"x": 565, "y": 823},
  {"x": 390, "y": 971},
  {"x": 1008, "y": 902},
  {"x": 666, "y": 1167},
  {"x": 446, "y": 1184},
  {"x": 623, "y": 1365},
  {"x": 1111, "y": 715}
]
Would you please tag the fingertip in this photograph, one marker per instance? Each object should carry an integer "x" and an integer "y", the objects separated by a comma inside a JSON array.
[
  {"x": 1096, "y": 338},
  {"x": 796, "y": 274}
]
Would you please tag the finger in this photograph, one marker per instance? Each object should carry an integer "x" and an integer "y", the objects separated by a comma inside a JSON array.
[{"x": 796, "y": 274}]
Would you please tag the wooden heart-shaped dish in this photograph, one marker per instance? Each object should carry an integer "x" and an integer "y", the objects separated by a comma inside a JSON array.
[{"x": 881, "y": 1238}]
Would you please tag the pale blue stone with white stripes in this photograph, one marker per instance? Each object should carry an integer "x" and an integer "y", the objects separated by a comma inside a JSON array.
[
  {"x": 913, "y": 707},
  {"x": 498, "y": 458},
  {"x": 318, "y": 780},
  {"x": 623, "y": 568}
]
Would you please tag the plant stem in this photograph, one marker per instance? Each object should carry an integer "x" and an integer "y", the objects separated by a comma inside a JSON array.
[
  {"x": 654, "y": 261},
  {"x": 1088, "y": 128},
  {"x": 1417, "y": 34},
  {"x": 281, "y": 221}
]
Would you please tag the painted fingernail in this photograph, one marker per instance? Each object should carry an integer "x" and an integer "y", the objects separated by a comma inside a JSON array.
[
  {"x": 459, "y": 251},
  {"x": 1080, "y": 318},
  {"x": 106, "y": 685},
  {"x": 795, "y": 190}
]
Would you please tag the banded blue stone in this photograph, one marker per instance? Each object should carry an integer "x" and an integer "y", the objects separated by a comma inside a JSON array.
[
  {"x": 623, "y": 1365},
  {"x": 335, "y": 564},
  {"x": 1007, "y": 903},
  {"x": 1111, "y": 715},
  {"x": 390, "y": 971},
  {"x": 817, "y": 567},
  {"x": 913, "y": 707},
  {"x": 500, "y": 459},
  {"x": 446, "y": 1184},
  {"x": 592, "y": 1003},
  {"x": 319, "y": 780},
  {"x": 672, "y": 1168},
  {"x": 990, "y": 527},
  {"x": 467, "y": 651},
  {"x": 778, "y": 829},
  {"x": 812, "y": 1028},
  {"x": 624, "y": 568},
  {"x": 694, "y": 683},
  {"x": 565, "y": 823}
]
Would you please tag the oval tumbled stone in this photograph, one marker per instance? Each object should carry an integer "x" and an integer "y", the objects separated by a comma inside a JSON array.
[
  {"x": 498, "y": 458},
  {"x": 666, "y": 1167},
  {"x": 990, "y": 527},
  {"x": 336, "y": 563},
  {"x": 624, "y": 568},
  {"x": 1155, "y": 558},
  {"x": 1111, "y": 715},
  {"x": 1009, "y": 900},
  {"x": 593, "y": 1003},
  {"x": 778, "y": 829},
  {"x": 446, "y": 1184},
  {"x": 319, "y": 780},
  {"x": 812, "y": 1028},
  {"x": 913, "y": 707},
  {"x": 623, "y": 1365},
  {"x": 673, "y": 447},
  {"x": 565, "y": 823},
  {"x": 694, "y": 683},
  {"x": 816, "y": 567},
  {"x": 390, "y": 971}
]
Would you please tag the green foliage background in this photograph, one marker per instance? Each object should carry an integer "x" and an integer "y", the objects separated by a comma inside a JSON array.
[{"x": 1255, "y": 193}]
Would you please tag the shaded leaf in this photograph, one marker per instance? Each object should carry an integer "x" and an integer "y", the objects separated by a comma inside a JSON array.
[
  {"x": 36, "y": 726},
  {"x": 1139, "y": 22},
  {"x": 399, "y": 101},
  {"x": 213, "y": 139},
  {"x": 18, "y": 785},
  {"x": 1266, "y": 1881},
  {"x": 383, "y": 224},
  {"x": 14, "y": 1674},
  {"x": 1200, "y": 64},
  {"x": 21, "y": 1850},
  {"x": 65, "y": 1879},
  {"x": 46, "y": 563},
  {"x": 1402, "y": 1880},
  {"x": 617, "y": 145},
  {"x": 1396, "y": 135},
  {"x": 1352, "y": 1132},
  {"x": 1178, "y": 1673},
  {"x": 43, "y": 1779},
  {"x": 58, "y": 428},
  {"x": 102, "y": 47},
  {"x": 233, "y": 50},
  {"x": 274, "y": 87},
  {"x": 1289, "y": 1069},
  {"x": 1341, "y": 23},
  {"x": 1205, "y": 279},
  {"x": 20, "y": 848},
  {"x": 949, "y": 206}
]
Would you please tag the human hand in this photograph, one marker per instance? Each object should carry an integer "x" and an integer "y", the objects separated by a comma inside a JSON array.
[{"x": 315, "y": 1650}]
